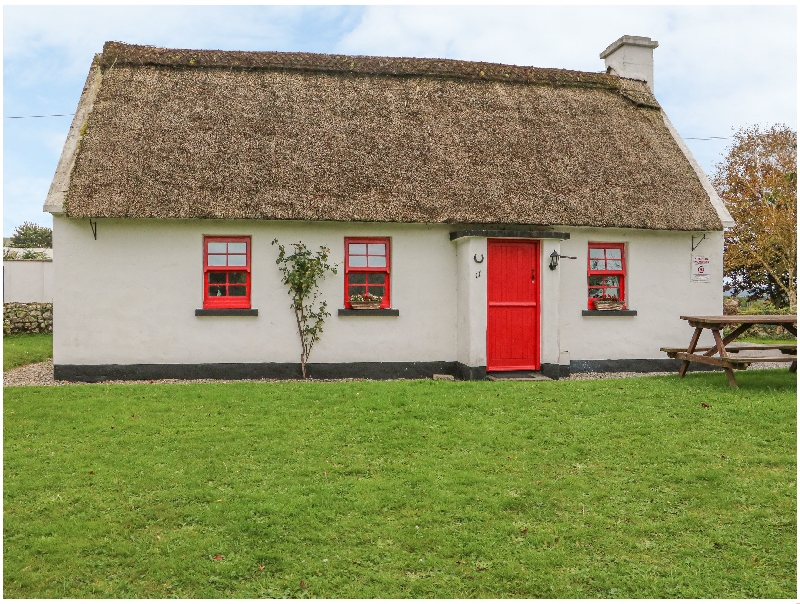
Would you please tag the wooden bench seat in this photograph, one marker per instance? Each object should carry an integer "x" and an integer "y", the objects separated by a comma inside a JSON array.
[
  {"x": 735, "y": 361},
  {"x": 733, "y": 347}
]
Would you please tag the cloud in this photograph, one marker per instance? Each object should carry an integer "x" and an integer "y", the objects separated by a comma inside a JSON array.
[
  {"x": 716, "y": 67},
  {"x": 23, "y": 198}
]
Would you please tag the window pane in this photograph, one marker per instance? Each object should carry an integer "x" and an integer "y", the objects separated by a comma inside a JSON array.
[
  {"x": 612, "y": 291},
  {"x": 355, "y": 290},
  {"x": 215, "y": 247},
  {"x": 376, "y": 290},
  {"x": 615, "y": 265},
  {"x": 358, "y": 261},
  {"x": 596, "y": 253},
  {"x": 237, "y": 260},
  {"x": 595, "y": 280},
  {"x": 610, "y": 281},
  {"x": 216, "y": 277},
  {"x": 377, "y": 278},
  {"x": 237, "y": 248},
  {"x": 358, "y": 248},
  {"x": 216, "y": 290},
  {"x": 378, "y": 249},
  {"x": 377, "y": 261},
  {"x": 237, "y": 278},
  {"x": 358, "y": 278},
  {"x": 216, "y": 260},
  {"x": 237, "y": 290},
  {"x": 595, "y": 292},
  {"x": 597, "y": 265},
  {"x": 613, "y": 253}
]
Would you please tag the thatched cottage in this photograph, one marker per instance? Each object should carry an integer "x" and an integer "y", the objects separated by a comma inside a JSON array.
[{"x": 489, "y": 206}]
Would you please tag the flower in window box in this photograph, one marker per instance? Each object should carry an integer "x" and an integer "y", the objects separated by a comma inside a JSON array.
[
  {"x": 609, "y": 302},
  {"x": 365, "y": 301}
]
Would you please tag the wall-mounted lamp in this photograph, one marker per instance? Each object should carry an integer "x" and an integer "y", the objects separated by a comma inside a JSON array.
[{"x": 554, "y": 259}]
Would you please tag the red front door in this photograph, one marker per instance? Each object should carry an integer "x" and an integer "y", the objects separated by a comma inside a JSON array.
[{"x": 512, "y": 327}]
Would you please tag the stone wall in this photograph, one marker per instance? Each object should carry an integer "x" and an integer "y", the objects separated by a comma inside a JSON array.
[{"x": 27, "y": 317}]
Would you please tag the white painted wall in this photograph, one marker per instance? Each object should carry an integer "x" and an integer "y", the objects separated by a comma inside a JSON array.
[
  {"x": 472, "y": 300},
  {"x": 659, "y": 288},
  {"x": 27, "y": 281},
  {"x": 129, "y": 296}
]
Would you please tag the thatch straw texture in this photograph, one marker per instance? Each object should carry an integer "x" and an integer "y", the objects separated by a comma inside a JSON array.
[{"x": 298, "y": 136}]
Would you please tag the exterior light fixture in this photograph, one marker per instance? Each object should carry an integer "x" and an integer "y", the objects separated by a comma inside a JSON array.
[{"x": 553, "y": 260}]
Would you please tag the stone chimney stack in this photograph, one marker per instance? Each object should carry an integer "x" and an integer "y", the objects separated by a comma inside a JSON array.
[{"x": 631, "y": 57}]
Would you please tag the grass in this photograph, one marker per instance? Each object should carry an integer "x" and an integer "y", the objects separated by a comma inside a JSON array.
[
  {"x": 22, "y": 349},
  {"x": 768, "y": 340},
  {"x": 615, "y": 488}
]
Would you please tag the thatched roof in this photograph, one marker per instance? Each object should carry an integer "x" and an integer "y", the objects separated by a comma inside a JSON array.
[{"x": 300, "y": 136}]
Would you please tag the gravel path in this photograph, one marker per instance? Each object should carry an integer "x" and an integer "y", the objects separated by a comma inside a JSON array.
[{"x": 41, "y": 374}]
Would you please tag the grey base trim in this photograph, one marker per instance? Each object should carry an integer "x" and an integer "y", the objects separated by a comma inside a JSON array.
[
  {"x": 255, "y": 371},
  {"x": 609, "y": 313},
  {"x": 467, "y": 373},
  {"x": 493, "y": 233},
  {"x": 322, "y": 371},
  {"x": 369, "y": 312},
  {"x": 634, "y": 366},
  {"x": 226, "y": 312},
  {"x": 555, "y": 371}
]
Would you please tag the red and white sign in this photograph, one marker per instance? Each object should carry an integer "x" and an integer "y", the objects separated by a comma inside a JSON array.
[{"x": 700, "y": 269}]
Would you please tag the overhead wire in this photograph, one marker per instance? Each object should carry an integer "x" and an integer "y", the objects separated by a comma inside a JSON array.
[{"x": 22, "y": 117}]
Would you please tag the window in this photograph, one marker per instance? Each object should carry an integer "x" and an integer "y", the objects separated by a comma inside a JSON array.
[
  {"x": 606, "y": 271},
  {"x": 367, "y": 267},
  {"x": 226, "y": 272}
]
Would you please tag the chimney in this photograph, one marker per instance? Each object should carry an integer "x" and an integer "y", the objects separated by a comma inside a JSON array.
[{"x": 631, "y": 57}]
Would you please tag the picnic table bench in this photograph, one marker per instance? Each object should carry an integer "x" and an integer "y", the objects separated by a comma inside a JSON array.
[{"x": 727, "y": 353}]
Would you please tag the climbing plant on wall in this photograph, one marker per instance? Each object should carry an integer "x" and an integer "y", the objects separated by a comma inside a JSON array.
[{"x": 302, "y": 271}]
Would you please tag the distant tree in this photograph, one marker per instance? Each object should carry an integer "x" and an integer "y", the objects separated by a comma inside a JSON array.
[
  {"x": 30, "y": 235},
  {"x": 758, "y": 183}
]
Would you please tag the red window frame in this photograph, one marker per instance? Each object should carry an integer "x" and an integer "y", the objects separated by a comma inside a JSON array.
[
  {"x": 605, "y": 272},
  {"x": 213, "y": 271},
  {"x": 349, "y": 271}
]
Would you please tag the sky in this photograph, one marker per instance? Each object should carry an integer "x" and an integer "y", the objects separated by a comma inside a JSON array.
[{"x": 717, "y": 68}]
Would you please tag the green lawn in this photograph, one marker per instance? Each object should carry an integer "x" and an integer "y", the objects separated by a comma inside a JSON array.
[
  {"x": 21, "y": 349},
  {"x": 768, "y": 340},
  {"x": 592, "y": 489}
]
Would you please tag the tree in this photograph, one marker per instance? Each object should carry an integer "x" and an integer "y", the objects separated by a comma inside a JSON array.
[
  {"x": 758, "y": 183},
  {"x": 31, "y": 235},
  {"x": 301, "y": 272}
]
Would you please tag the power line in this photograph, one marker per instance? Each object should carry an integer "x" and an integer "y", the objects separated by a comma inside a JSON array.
[
  {"x": 22, "y": 117},
  {"x": 708, "y": 138}
]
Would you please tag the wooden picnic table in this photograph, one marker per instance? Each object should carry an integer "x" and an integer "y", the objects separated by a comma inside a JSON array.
[{"x": 726, "y": 352}]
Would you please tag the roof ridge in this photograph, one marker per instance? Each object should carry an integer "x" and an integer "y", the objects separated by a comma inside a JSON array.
[{"x": 118, "y": 53}]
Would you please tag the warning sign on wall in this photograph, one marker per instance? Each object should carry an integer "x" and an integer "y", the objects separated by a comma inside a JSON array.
[{"x": 700, "y": 269}]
